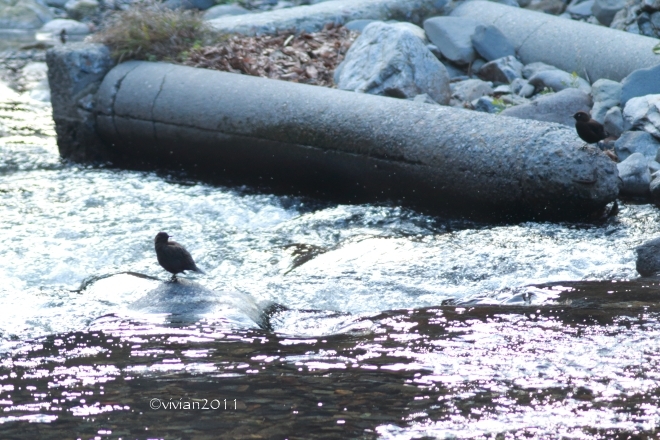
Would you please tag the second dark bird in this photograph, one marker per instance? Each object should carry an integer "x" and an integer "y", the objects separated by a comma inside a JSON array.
[
  {"x": 589, "y": 130},
  {"x": 172, "y": 256}
]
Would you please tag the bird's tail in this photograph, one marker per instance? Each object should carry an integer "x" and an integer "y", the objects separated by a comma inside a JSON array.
[{"x": 197, "y": 269}]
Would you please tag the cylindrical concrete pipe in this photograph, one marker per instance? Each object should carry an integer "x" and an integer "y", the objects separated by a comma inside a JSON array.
[
  {"x": 592, "y": 51},
  {"x": 312, "y": 18},
  {"x": 353, "y": 146}
]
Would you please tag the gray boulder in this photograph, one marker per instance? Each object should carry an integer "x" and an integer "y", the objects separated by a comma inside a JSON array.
[
  {"x": 490, "y": 43},
  {"x": 423, "y": 99},
  {"x": 558, "y": 80},
  {"x": 531, "y": 69},
  {"x": 613, "y": 122},
  {"x": 632, "y": 142},
  {"x": 412, "y": 28},
  {"x": 556, "y": 107},
  {"x": 358, "y": 25},
  {"x": 606, "y": 94},
  {"x": 486, "y": 105},
  {"x": 454, "y": 71},
  {"x": 391, "y": 61},
  {"x": 648, "y": 257},
  {"x": 72, "y": 27},
  {"x": 635, "y": 175},
  {"x": 23, "y": 14},
  {"x": 222, "y": 10},
  {"x": 582, "y": 9},
  {"x": 522, "y": 87},
  {"x": 469, "y": 90},
  {"x": 453, "y": 36},
  {"x": 476, "y": 65},
  {"x": 604, "y": 10},
  {"x": 553, "y": 7},
  {"x": 641, "y": 82},
  {"x": 81, "y": 9},
  {"x": 501, "y": 70},
  {"x": 642, "y": 113}
]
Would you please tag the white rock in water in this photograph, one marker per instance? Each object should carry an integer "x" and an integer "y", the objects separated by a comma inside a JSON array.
[{"x": 72, "y": 27}]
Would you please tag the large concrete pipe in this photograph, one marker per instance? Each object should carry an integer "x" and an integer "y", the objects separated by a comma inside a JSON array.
[
  {"x": 313, "y": 18},
  {"x": 593, "y": 52},
  {"x": 354, "y": 146}
]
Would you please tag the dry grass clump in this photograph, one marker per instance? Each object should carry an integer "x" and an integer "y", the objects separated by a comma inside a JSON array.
[
  {"x": 305, "y": 58},
  {"x": 149, "y": 31}
]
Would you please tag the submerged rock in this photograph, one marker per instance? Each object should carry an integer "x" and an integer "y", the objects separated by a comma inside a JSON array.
[
  {"x": 392, "y": 61},
  {"x": 648, "y": 258},
  {"x": 183, "y": 299}
]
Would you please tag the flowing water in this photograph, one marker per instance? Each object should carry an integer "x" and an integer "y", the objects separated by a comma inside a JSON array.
[{"x": 314, "y": 320}]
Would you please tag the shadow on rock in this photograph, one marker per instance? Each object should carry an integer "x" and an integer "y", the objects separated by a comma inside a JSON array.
[{"x": 183, "y": 300}]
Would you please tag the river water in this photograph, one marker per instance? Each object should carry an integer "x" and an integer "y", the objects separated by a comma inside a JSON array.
[{"x": 314, "y": 320}]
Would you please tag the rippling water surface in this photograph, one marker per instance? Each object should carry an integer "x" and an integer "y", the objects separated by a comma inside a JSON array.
[{"x": 315, "y": 320}]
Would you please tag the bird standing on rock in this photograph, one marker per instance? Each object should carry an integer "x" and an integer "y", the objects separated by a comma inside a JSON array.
[
  {"x": 172, "y": 256},
  {"x": 592, "y": 131},
  {"x": 589, "y": 130}
]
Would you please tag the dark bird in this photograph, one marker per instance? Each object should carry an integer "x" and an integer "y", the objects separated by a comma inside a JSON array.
[
  {"x": 172, "y": 256},
  {"x": 589, "y": 130},
  {"x": 63, "y": 36}
]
